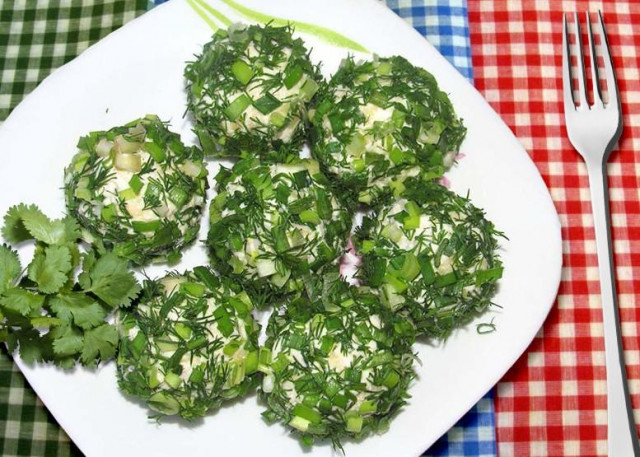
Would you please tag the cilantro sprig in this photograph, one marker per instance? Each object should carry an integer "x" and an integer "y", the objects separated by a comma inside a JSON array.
[{"x": 44, "y": 312}]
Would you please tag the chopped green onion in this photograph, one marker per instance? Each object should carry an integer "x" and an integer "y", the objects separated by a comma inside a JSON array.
[
  {"x": 156, "y": 152},
  {"x": 354, "y": 424},
  {"x": 135, "y": 183},
  {"x": 307, "y": 413},
  {"x": 192, "y": 288},
  {"x": 292, "y": 76},
  {"x": 178, "y": 196},
  {"x": 310, "y": 216},
  {"x": 182, "y": 330},
  {"x": 267, "y": 103},
  {"x": 251, "y": 362},
  {"x": 146, "y": 226},
  {"x": 108, "y": 213},
  {"x": 299, "y": 423},
  {"x": 309, "y": 88},
  {"x": 391, "y": 379},
  {"x": 446, "y": 280},
  {"x": 277, "y": 119},
  {"x": 172, "y": 379},
  {"x": 163, "y": 403},
  {"x": 127, "y": 194},
  {"x": 237, "y": 107},
  {"x": 242, "y": 71},
  {"x": 384, "y": 68}
]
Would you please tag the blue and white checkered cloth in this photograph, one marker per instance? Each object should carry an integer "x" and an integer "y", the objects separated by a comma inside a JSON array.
[{"x": 445, "y": 24}]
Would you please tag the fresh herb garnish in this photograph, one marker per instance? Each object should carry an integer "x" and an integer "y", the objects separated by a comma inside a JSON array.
[{"x": 45, "y": 313}]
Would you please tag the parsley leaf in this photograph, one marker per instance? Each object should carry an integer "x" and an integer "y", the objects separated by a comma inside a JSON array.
[
  {"x": 70, "y": 343},
  {"x": 83, "y": 310},
  {"x": 24, "y": 222},
  {"x": 21, "y": 301},
  {"x": 10, "y": 267},
  {"x": 111, "y": 280},
  {"x": 13, "y": 229},
  {"x": 50, "y": 269},
  {"x": 100, "y": 341},
  {"x": 32, "y": 347}
]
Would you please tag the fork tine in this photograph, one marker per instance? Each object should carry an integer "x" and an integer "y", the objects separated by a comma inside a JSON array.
[
  {"x": 582, "y": 86},
  {"x": 597, "y": 96},
  {"x": 567, "y": 89},
  {"x": 612, "y": 85}
]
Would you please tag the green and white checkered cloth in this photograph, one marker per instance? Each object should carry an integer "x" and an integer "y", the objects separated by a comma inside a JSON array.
[{"x": 36, "y": 37}]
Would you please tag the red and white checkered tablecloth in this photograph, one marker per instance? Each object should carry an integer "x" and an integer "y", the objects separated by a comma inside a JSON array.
[{"x": 553, "y": 401}]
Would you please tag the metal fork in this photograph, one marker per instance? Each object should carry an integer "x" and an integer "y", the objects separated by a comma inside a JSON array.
[{"x": 594, "y": 131}]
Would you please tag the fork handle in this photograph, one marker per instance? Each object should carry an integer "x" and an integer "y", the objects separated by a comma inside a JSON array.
[{"x": 622, "y": 433}]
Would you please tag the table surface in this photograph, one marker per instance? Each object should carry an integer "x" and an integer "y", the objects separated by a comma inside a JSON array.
[{"x": 553, "y": 401}]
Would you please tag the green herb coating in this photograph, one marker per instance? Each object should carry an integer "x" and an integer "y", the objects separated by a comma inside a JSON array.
[
  {"x": 273, "y": 224},
  {"x": 138, "y": 189},
  {"x": 249, "y": 89},
  {"x": 189, "y": 345},
  {"x": 336, "y": 365},
  {"x": 377, "y": 122},
  {"x": 433, "y": 255}
]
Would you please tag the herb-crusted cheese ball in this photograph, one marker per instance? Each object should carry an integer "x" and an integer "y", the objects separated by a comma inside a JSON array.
[
  {"x": 273, "y": 224},
  {"x": 432, "y": 253},
  {"x": 189, "y": 345},
  {"x": 378, "y": 122},
  {"x": 249, "y": 90},
  {"x": 338, "y": 366},
  {"x": 138, "y": 189}
]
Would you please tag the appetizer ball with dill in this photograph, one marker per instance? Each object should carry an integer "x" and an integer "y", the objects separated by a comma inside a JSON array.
[
  {"x": 189, "y": 345},
  {"x": 433, "y": 254},
  {"x": 377, "y": 122},
  {"x": 137, "y": 189},
  {"x": 248, "y": 91},
  {"x": 336, "y": 365},
  {"x": 272, "y": 224}
]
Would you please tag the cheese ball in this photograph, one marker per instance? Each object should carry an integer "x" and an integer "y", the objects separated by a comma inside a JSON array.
[
  {"x": 189, "y": 345},
  {"x": 337, "y": 365},
  {"x": 432, "y": 254},
  {"x": 378, "y": 122},
  {"x": 137, "y": 189},
  {"x": 272, "y": 224},
  {"x": 248, "y": 91}
]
